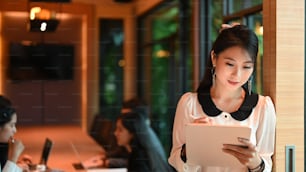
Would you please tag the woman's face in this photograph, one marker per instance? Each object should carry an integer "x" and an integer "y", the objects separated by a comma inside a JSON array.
[
  {"x": 123, "y": 136},
  {"x": 8, "y": 130},
  {"x": 234, "y": 67}
]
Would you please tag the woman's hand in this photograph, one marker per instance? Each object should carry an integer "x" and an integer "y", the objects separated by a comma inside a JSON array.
[
  {"x": 246, "y": 153},
  {"x": 94, "y": 162},
  {"x": 15, "y": 149},
  {"x": 203, "y": 120}
]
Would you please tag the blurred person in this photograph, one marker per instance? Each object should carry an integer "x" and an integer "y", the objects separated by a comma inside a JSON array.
[
  {"x": 145, "y": 151},
  {"x": 10, "y": 148},
  {"x": 118, "y": 156}
]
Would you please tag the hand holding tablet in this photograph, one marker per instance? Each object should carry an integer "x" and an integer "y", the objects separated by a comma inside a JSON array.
[{"x": 204, "y": 144}]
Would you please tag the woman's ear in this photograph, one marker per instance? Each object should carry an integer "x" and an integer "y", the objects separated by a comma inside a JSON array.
[{"x": 213, "y": 57}]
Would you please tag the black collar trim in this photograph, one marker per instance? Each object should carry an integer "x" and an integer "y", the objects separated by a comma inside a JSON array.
[{"x": 244, "y": 111}]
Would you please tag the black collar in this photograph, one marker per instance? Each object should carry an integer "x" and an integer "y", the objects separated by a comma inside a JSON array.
[{"x": 241, "y": 114}]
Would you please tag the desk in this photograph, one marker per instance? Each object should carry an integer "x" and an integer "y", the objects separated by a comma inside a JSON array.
[{"x": 70, "y": 145}]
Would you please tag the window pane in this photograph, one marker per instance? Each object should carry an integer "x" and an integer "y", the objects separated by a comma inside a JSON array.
[
  {"x": 110, "y": 70},
  {"x": 233, "y": 6}
]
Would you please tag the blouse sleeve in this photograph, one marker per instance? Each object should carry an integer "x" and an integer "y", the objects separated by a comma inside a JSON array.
[
  {"x": 265, "y": 134},
  {"x": 178, "y": 134},
  {"x": 11, "y": 167}
]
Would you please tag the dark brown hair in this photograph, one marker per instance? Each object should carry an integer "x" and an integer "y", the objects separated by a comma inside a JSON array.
[{"x": 238, "y": 35}]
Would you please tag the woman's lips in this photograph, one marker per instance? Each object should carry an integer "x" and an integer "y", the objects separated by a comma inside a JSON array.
[{"x": 233, "y": 82}]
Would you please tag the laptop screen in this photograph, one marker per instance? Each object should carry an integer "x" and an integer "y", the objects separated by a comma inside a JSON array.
[{"x": 46, "y": 151}]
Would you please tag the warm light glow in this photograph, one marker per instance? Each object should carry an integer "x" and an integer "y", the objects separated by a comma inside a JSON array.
[
  {"x": 121, "y": 63},
  {"x": 33, "y": 12},
  {"x": 84, "y": 71},
  {"x": 258, "y": 29},
  {"x": 1, "y": 57},
  {"x": 42, "y": 14},
  {"x": 162, "y": 53},
  {"x": 43, "y": 26},
  {"x": 261, "y": 30}
]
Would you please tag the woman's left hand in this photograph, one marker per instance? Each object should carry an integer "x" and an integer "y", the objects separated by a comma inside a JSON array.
[
  {"x": 246, "y": 153},
  {"x": 15, "y": 149}
]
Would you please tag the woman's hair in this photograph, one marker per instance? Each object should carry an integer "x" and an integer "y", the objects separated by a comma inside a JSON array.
[
  {"x": 145, "y": 138},
  {"x": 135, "y": 124},
  {"x": 6, "y": 110},
  {"x": 238, "y": 35},
  {"x": 138, "y": 105}
]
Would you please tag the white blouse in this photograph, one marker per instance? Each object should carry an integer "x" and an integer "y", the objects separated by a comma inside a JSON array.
[
  {"x": 262, "y": 121},
  {"x": 11, "y": 167}
]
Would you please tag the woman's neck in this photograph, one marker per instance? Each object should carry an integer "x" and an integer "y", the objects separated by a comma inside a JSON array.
[
  {"x": 225, "y": 94},
  {"x": 227, "y": 100}
]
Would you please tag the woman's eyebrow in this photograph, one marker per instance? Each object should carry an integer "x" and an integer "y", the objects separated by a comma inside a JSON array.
[
  {"x": 229, "y": 58},
  {"x": 232, "y": 59}
]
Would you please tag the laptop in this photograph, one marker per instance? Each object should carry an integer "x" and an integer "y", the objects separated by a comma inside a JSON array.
[
  {"x": 204, "y": 144},
  {"x": 46, "y": 151},
  {"x": 44, "y": 155}
]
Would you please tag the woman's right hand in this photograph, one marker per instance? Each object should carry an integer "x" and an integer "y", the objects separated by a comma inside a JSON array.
[
  {"x": 203, "y": 120},
  {"x": 15, "y": 149}
]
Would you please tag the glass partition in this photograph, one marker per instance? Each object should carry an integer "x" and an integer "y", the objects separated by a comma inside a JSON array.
[{"x": 162, "y": 65}]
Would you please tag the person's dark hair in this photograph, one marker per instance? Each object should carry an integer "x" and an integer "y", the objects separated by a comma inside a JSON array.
[
  {"x": 133, "y": 103},
  {"x": 238, "y": 35},
  {"x": 145, "y": 138},
  {"x": 137, "y": 105},
  {"x": 135, "y": 124},
  {"x": 6, "y": 110}
]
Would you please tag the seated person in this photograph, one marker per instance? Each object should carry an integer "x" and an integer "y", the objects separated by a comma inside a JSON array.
[
  {"x": 10, "y": 148},
  {"x": 102, "y": 132},
  {"x": 117, "y": 156},
  {"x": 145, "y": 150}
]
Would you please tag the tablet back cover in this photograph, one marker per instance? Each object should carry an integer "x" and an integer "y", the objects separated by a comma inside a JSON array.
[{"x": 204, "y": 144}]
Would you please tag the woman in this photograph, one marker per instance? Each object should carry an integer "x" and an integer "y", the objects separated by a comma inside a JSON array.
[
  {"x": 145, "y": 151},
  {"x": 224, "y": 97},
  {"x": 10, "y": 148}
]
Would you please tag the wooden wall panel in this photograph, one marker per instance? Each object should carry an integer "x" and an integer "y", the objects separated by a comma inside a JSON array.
[
  {"x": 87, "y": 54},
  {"x": 284, "y": 74}
]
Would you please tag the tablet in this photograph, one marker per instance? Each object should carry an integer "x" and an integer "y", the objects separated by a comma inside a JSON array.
[{"x": 204, "y": 144}]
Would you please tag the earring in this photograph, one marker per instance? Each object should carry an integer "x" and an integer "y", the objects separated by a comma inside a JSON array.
[
  {"x": 213, "y": 75},
  {"x": 250, "y": 86}
]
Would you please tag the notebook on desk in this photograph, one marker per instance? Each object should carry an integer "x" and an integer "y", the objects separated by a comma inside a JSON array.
[{"x": 204, "y": 144}]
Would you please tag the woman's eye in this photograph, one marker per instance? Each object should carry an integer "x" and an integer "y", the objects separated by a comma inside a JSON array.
[
  {"x": 229, "y": 64},
  {"x": 247, "y": 67}
]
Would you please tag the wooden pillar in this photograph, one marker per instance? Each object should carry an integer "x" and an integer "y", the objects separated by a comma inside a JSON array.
[{"x": 284, "y": 63}]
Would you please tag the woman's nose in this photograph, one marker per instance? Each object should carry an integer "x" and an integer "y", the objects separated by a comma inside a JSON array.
[
  {"x": 14, "y": 130},
  {"x": 236, "y": 72}
]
